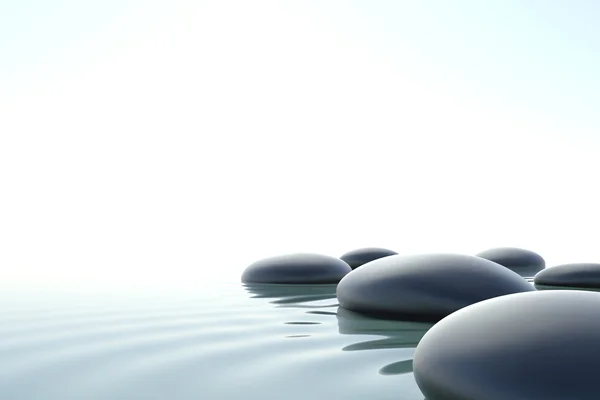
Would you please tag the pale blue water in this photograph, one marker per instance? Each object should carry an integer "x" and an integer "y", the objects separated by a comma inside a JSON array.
[{"x": 217, "y": 342}]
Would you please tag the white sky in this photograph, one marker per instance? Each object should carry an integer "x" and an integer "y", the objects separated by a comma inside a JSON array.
[{"x": 147, "y": 143}]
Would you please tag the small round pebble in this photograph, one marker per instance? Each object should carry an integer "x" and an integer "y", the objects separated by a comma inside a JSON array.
[
  {"x": 298, "y": 268},
  {"x": 534, "y": 346},
  {"x": 356, "y": 258},
  {"x": 524, "y": 262},
  {"x": 578, "y": 275},
  {"x": 425, "y": 287}
]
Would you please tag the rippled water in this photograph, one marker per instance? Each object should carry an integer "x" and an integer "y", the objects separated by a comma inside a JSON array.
[{"x": 225, "y": 342}]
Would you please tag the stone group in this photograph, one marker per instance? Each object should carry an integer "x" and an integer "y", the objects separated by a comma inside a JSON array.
[{"x": 505, "y": 326}]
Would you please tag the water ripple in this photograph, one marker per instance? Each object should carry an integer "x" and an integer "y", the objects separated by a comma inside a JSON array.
[{"x": 235, "y": 342}]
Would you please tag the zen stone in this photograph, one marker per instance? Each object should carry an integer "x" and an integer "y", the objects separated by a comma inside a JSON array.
[
  {"x": 425, "y": 287},
  {"x": 524, "y": 262},
  {"x": 356, "y": 258},
  {"x": 534, "y": 346},
  {"x": 297, "y": 268},
  {"x": 580, "y": 275}
]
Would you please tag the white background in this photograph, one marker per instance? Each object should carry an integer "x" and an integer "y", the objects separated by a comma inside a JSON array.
[{"x": 151, "y": 143}]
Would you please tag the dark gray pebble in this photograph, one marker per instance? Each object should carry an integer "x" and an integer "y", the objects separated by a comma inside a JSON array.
[
  {"x": 302, "y": 268},
  {"x": 579, "y": 275},
  {"x": 425, "y": 287},
  {"x": 356, "y": 258},
  {"x": 533, "y": 346},
  {"x": 524, "y": 262}
]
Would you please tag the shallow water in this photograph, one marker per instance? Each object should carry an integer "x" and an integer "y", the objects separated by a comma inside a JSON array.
[{"x": 220, "y": 342}]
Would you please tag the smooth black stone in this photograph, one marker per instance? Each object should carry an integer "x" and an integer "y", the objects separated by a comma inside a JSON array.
[
  {"x": 524, "y": 262},
  {"x": 581, "y": 275},
  {"x": 534, "y": 346},
  {"x": 425, "y": 287},
  {"x": 356, "y": 258},
  {"x": 302, "y": 268}
]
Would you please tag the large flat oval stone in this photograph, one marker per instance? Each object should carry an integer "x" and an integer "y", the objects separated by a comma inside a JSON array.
[
  {"x": 297, "y": 268},
  {"x": 533, "y": 346},
  {"x": 425, "y": 287},
  {"x": 578, "y": 275}
]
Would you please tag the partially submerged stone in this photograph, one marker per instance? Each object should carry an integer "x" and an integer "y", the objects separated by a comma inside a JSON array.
[
  {"x": 304, "y": 268},
  {"x": 524, "y": 262},
  {"x": 578, "y": 275},
  {"x": 425, "y": 287},
  {"x": 358, "y": 257},
  {"x": 534, "y": 346}
]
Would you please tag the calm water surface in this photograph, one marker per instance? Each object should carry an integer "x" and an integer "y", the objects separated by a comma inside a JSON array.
[{"x": 225, "y": 342}]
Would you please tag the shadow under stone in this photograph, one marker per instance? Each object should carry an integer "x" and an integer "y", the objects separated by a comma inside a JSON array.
[
  {"x": 393, "y": 334},
  {"x": 546, "y": 287},
  {"x": 398, "y": 368},
  {"x": 291, "y": 294}
]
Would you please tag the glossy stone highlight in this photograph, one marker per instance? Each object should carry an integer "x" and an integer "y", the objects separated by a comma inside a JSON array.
[
  {"x": 425, "y": 287},
  {"x": 297, "y": 268},
  {"x": 524, "y": 262},
  {"x": 579, "y": 275},
  {"x": 534, "y": 346},
  {"x": 358, "y": 257}
]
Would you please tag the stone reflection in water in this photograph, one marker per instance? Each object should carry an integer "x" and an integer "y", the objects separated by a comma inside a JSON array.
[
  {"x": 397, "y": 368},
  {"x": 396, "y": 335},
  {"x": 291, "y": 294},
  {"x": 544, "y": 287},
  {"x": 297, "y": 296}
]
